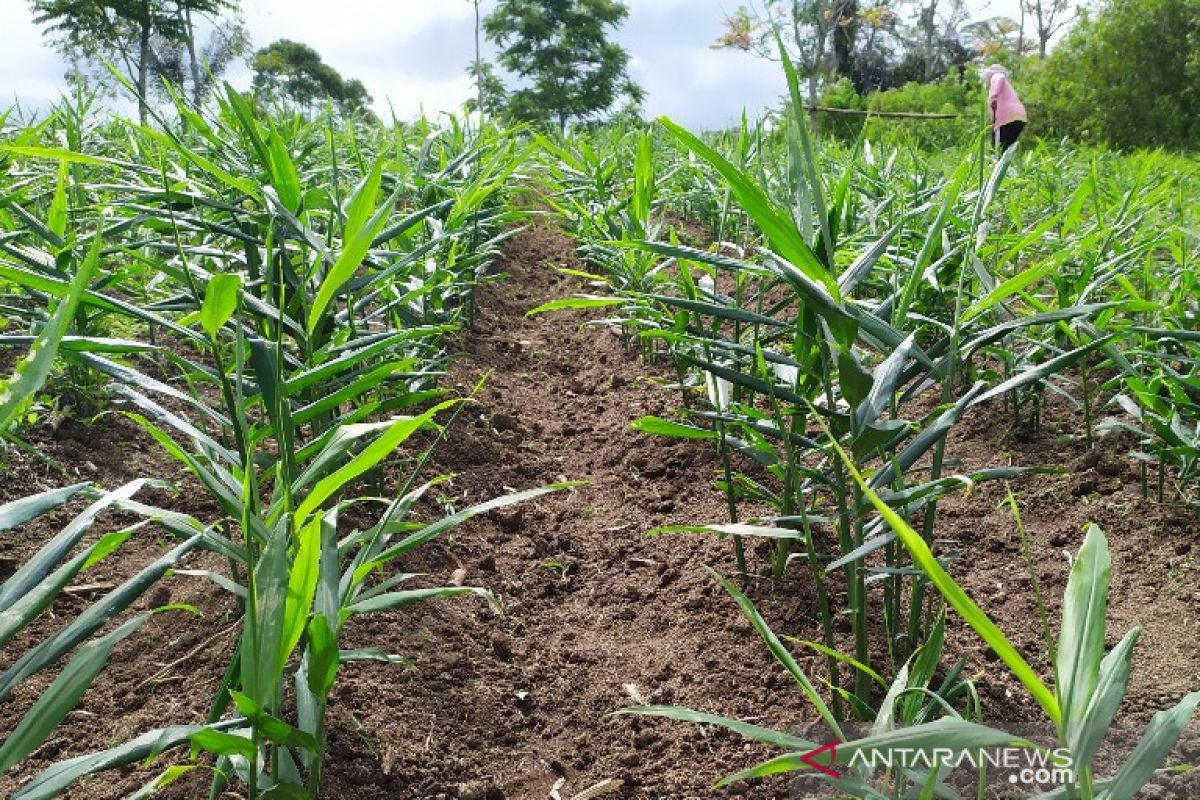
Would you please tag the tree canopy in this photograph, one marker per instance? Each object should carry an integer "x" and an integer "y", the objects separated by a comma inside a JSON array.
[
  {"x": 559, "y": 50},
  {"x": 294, "y": 72},
  {"x": 1129, "y": 76},
  {"x": 145, "y": 39}
]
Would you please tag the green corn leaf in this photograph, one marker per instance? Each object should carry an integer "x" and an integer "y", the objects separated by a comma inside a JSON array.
[
  {"x": 61, "y": 696},
  {"x": 220, "y": 301},
  {"x": 779, "y": 229},
  {"x": 1152, "y": 750},
  {"x": 663, "y": 427},
  {"x": 780, "y": 652},
  {"x": 18, "y": 512},
  {"x": 923, "y": 558},
  {"x": 1081, "y": 640},
  {"x": 35, "y": 367},
  {"x": 756, "y": 733},
  {"x": 1085, "y": 736}
]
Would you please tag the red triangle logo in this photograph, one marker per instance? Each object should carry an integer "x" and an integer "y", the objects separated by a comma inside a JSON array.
[{"x": 809, "y": 758}]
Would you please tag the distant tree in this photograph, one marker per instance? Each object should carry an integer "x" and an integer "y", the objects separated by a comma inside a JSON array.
[
  {"x": 935, "y": 39},
  {"x": 806, "y": 28},
  {"x": 875, "y": 45},
  {"x": 93, "y": 31},
  {"x": 294, "y": 72},
  {"x": 560, "y": 52},
  {"x": 149, "y": 39},
  {"x": 185, "y": 62},
  {"x": 1049, "y": 17},
  {"x": 998, "y": 39},
  {"x": 1129, "y": 76},
  {"x": 490, "y": 94}
]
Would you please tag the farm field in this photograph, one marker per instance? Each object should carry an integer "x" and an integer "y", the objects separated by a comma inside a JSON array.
[{"x": 355, "y": 460}]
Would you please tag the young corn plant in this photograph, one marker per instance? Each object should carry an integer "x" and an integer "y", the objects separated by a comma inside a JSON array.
[
  {"x": 814, "y": 336},
  {"x": 302, "y": 317},
  {"x": 1088, "y": 689}
]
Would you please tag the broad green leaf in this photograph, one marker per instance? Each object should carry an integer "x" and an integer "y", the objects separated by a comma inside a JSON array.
[
  {"x": 390, "y": 601},
  {"x": 372, "y": 454},
  {"x": 47, "y": 558},
  {"x": 302, "y": 584},
  {"x": 1013, "y": 285},
  {"x": 663, "y": 427},
  {"x": 30, "y": 604},
  {"x": 923, "y": 558},
  {"x": 54, "y": 780},
  {"x": 223, "y": 744},
  {"x": 220, "y": 301},
  {"x": 35, "y": 367},
  {"x": 435, "y": 529},
  {"x": 358, "y": 234},
  {"x": 1042, "y": 371},
  {"x": 283, "y": 173},
  {"x": 59, "y": 698},
  {"x": 1081, "y": 640},
  {"x": 323, "y": 656},
  {"x": 576, "y": 303},
  {"x": 1152, "y": 750},
  {"x": 57, "y": 218},
  {"x": 92, "y": 619},
  {"x": 779, "y": 229},
  {"x": 1086, "y": 733},
  {"x": 20, "y": 511}
]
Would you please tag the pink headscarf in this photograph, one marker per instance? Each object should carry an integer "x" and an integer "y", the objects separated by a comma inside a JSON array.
[{"x": 1005, "y": 106}]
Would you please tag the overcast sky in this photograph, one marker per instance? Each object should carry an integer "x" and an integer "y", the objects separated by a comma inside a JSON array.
[{"x": 413, "y": 53}]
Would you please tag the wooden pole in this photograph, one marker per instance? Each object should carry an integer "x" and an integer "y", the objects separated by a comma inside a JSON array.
[{"x": 894, "y": 114}]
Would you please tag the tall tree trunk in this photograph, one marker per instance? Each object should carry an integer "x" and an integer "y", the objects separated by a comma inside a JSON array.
[
  {"x": 1021, "y": 35},
  {"x": 929, "y": 21},
  {"x": 845, "y": 22},
  {"x": 143, "y": 76},
  {"x": 1043, "y": 35},
  {"x": 818, "y": 57},
  {"x": 193, "y": 62}
]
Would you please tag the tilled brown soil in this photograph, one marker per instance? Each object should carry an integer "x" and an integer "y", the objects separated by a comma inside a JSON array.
[{"x": 598, "y": 616}]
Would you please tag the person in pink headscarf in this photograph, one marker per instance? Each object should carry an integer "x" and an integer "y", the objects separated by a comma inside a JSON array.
[{"x": 1007, "y": 111}]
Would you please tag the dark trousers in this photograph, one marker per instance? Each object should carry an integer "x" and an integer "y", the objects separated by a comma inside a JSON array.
[{"x": 1006, "y": 134}]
